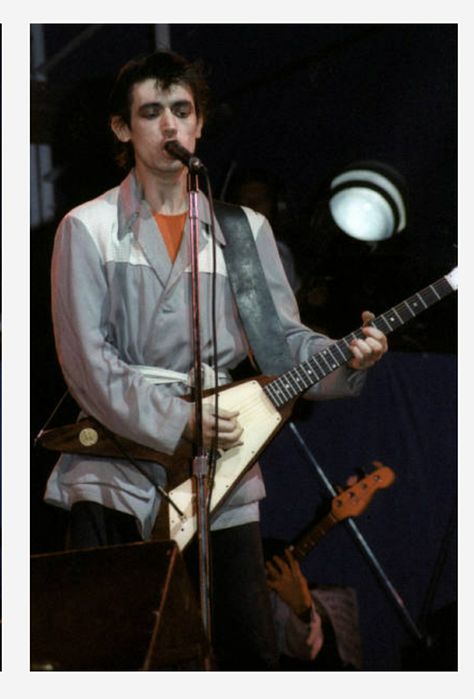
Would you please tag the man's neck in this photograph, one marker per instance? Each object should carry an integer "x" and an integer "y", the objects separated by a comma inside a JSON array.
[{"x": 166, "y": 193}]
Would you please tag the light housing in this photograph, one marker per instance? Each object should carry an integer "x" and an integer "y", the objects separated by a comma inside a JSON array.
[{"x": 367, "y": 201}]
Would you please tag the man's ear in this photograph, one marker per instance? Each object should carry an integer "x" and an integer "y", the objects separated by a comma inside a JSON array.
[
  {"x": 199, "y": 127},
  {"x": 120, "y": 129}
]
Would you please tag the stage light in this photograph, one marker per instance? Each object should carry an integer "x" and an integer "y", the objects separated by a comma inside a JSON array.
[{"x": 367, "y": 201}]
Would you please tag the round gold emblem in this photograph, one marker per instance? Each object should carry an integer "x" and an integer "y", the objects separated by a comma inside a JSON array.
[{"x": 88, "y": 437}]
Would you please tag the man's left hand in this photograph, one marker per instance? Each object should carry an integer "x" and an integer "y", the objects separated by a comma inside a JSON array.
[
  {"x": 284, "y": 575},
  {"x": 368, "y": 350}
]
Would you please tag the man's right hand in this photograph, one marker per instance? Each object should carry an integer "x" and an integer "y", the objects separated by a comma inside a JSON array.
[{"x": 228, "y": 428}]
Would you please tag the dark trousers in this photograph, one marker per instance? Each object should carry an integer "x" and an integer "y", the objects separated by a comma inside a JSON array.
[
  {"x": 243, "y": 636},
  {"x": 92, "y": 525}
]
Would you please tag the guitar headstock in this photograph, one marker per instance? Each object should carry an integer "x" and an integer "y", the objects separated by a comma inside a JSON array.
[
  {"x": 352, "y": 501},
  {"x": 452, "y": 278}
]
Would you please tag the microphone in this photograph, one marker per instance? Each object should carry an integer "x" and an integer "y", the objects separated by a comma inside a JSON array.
[{"x": 181, "y": 153}]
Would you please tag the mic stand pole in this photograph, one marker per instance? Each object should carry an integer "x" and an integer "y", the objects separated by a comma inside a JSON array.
[
  {"x": 200, "y": 461},
  {"x": 360, "y": 540}
]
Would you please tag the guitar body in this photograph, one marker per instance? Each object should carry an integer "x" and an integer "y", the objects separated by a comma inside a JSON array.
[
  {"x": 260, "y": 421},
  {"x": 258, "y": 417}
]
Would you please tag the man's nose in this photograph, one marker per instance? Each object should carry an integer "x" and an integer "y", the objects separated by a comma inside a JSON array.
[{"x": 168, "y": 122}]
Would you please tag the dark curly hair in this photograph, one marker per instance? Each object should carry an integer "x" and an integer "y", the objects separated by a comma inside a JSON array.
[{"x": 167, "y": 68}]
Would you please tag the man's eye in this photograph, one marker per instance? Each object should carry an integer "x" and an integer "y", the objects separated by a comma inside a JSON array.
[
  {"x": 151, "y": 112},
  {"x": 182, "y": 111}
]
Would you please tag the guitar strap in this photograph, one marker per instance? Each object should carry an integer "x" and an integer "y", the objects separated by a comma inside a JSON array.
[{"x": 256, "y": 307}]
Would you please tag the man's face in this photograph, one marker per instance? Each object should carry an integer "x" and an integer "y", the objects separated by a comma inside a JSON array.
[{"x": 158, "y": 116}]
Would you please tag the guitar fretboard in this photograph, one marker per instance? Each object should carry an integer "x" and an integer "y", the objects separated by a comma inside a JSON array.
[
  {"x": 300, "y": 378},
  {"x": 311, "y": 538}
]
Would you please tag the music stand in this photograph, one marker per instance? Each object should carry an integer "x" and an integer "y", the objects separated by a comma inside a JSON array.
[{"x": 127, "y": 607}]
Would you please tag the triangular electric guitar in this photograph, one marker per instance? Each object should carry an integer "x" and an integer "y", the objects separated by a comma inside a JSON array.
[{"x": 265, "y": 403}]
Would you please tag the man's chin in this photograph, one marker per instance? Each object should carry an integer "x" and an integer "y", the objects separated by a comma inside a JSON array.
[{"x": 166, "y": 169}]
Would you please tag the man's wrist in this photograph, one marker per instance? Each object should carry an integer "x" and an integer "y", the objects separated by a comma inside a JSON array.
[{"x": 306, "y": 614}]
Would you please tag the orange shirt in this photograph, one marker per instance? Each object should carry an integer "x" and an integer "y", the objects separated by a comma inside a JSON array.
[{"x": 171, "y": 227}]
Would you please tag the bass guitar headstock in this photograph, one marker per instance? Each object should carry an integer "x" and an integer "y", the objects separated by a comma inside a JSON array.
[{"x": 353, "y": 500}]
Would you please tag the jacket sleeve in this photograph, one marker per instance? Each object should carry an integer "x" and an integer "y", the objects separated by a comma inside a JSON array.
[
  {"x": 296, "y": 638},
  {"x": 104, "y": 386},
  {"x": 303, "y": 342}
]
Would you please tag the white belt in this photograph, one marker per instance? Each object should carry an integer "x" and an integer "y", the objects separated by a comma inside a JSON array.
[{"x": 159, "y": 375}]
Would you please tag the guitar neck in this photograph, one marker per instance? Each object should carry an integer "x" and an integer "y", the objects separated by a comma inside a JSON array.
[
  {"x": 313, "y": 536},
  {"x": 300, "y": 378}
]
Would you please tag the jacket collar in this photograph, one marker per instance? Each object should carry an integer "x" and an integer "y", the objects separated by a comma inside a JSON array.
[{"x": 133, "y": 208}]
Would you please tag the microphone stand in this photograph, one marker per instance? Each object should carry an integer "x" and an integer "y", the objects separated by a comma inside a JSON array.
[{"x": 200, "y": 466}]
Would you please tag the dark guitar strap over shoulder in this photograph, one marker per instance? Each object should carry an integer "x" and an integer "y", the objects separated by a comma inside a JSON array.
[{"x": 254, "y": 301}]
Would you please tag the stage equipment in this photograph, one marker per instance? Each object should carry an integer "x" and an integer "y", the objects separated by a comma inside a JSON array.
[
  {"x": 129, "y": 607},
  {"x": 387, "y": 585},
  {"x": 367, "y": 201},
  {"x": 202, "y": 471}
]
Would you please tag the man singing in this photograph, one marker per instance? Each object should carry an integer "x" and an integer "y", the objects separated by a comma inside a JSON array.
[{"x": 121, "y": 303}]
